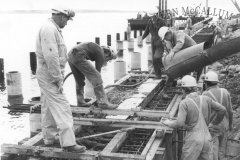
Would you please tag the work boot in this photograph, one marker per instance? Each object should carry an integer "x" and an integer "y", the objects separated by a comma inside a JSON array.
[
  {"x": 102, "y": 100},
  {"x": 80, "y": 98},
  {"x": 76, "y": 148}
]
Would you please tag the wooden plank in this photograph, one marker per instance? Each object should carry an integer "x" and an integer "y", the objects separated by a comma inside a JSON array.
[
  {"x": 152, "y": 151},
  {"x": 136, "y": 112},
  {"x": 34, "y": 141},
  {"x": 47, "y": 152},
  {"x": 148, "y": 145},
  {"x": 144, "y": 95},
  {"x": 121, "y": 156},
  {"x": 160, "y": 154},
  {"x": 120, "y": 123},
  {"x": 174, "y": 109},
  {"x": 115, "y": 143}
]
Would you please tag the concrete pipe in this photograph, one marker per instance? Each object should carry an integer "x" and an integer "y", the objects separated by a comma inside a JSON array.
[{"x": 199, "y": 56}]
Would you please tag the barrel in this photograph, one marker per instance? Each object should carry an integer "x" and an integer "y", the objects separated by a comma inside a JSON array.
[
  {"x": 199, "y": 56},
  {"x": 233, "y": 147},
  {"x": 131, "y": 43},
  {"x": 14, "y": 84},
  {"x": 119, "y": 70},
  {"x": 88, "y": 89},
  {"x": 119, "y": 45},
  {"x": 35, "y": 118},
  {"x": 135, "y": 60}
]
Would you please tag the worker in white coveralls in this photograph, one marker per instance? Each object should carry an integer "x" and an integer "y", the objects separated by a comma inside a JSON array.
[
  {"x": 220, "y": 132},
  {"x": 51, "y": 56},
  {"x": 78, "y": 58},
  {"x": 189, "y": 25},
  {"x": 194, "y": 114}
]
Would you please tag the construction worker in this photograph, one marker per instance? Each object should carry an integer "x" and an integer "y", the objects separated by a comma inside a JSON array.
[
  {"x": 218, "y": 33},
  {"x": 189, "y": 26},
  {"x": 152, "y": 28},
  {"x": 81, "y": 68},
  {"x": 51, "y": 54},
  {"x": 220, "y": 132},
  {"x": 194, "y": 114},
  {"x": 178, "y": 41}
]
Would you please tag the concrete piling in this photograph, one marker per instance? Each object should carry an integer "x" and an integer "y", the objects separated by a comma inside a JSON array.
[
  {"x": 109, "y": 40},
  {"x": 2, "y": 81},
  {"x": 33, "y": 62},
  {"x": 118, "y": 36}
]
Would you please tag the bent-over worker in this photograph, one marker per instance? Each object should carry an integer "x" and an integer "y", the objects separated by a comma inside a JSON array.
[
  {"x": 194, "y": 114},
  {"x": 78, "y": 58},
  {"x": 178, "y": 41},
  {"x": 152, "y": 28},
  {"x": 220, "y": 132},
  {"x": 56, "y": 114}
]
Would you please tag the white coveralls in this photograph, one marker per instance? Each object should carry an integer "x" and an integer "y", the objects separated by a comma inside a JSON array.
[
  {"x": 197, "y": 141},
  {"x": 55, "y": 112}
]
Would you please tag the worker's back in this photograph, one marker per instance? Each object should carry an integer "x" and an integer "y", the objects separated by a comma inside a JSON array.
[{"x": 192, "y": 113}]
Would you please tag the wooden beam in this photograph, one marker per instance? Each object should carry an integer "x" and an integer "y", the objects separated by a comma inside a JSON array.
[
  {"x": 115, "y": 143},
  {"x": 47, "y": 152},
  {"x": 121, "y": 156},
  {"x": 136, "y": 112},
  {"x": 120, "y": 123},
  {"x": 174, "y": 109},
  {"x": 152, "y": 151}
]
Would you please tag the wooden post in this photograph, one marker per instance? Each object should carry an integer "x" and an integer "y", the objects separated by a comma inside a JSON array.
[
  {"x": 140, "y": 32},
  {"x": 118, "y": 36},
  {"x": 135, "y": 33},
  {"x": 2, "y": 82},
  {"x": 125, "y": 36},
  {"x": 97, "y": 40},
  {"x": 33, "y": 62},
  {"x": 109, "y": 40}
]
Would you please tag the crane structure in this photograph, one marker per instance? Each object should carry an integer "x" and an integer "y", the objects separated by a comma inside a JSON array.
[{"x": 236, "y": 4}]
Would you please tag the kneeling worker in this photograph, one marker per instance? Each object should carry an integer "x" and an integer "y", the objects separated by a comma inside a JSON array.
[
  {"x": 194, "y": 114},
  {"x": 78, "y": 58}
]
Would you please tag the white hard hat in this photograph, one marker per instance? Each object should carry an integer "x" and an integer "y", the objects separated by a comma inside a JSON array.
[
  {"x": 162, "y": 31},
  {"x": 69, "y": 12},
  {"x": 188, "y": 81},
  {"x": 211, "y": 77}
]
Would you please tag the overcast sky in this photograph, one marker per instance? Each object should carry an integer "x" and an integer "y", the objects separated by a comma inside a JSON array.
[{"x": 129, "y": 5}]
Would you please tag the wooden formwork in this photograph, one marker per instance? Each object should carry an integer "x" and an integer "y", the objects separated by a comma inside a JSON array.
[{"x": 151, "y": 151}]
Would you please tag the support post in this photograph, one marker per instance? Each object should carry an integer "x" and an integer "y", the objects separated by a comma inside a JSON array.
[
  {"x": 109, "y": 40},
  {"x": 33, "y": 62},
  {"x": 2, "y": 82},
  {"x": 135, "y": 33},
  {"x": 97, "y": 40},
  {"x": 118, "y": 36},
  {"x": 125, "y": 36}
]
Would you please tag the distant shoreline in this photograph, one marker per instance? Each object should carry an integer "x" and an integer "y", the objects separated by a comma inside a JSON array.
[{"x": 77, "y": 11}]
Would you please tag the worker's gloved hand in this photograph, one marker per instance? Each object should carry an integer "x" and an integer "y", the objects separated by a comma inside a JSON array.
[
  {"x": 170, "y": 55},
  {"x": 32, "y": 108},
  {"x": 167, "y": 122},
  {"x": 60, "y": 87}
]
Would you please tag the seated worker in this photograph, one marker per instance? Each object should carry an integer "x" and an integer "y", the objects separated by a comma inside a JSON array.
[
  {"x": 220, "y": 132},
  {"x": 78, "y": 58},
  {"x": 218, "y": 33},
  {"x": 194, "y": 114},
  {"x": 178, "y": 41}
]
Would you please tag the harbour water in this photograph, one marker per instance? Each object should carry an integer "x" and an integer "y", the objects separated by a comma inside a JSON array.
[{"x": 18, "y": 34}]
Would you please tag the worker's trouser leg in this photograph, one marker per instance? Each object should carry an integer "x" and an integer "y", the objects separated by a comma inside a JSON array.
[
  {"x": 55, "y": 111},
  {"x": 215, "y": 148},
  {"x": 157, "y": 62},
  {"x": 82, "y": 68},
  {"x": 223, "y": 145}
]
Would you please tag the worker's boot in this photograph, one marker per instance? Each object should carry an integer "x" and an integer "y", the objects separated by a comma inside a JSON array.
[
  {"x": 76, "y": 148},
  {"x": 102, "y": 98},
  {"x": 80, "y": 98}
]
